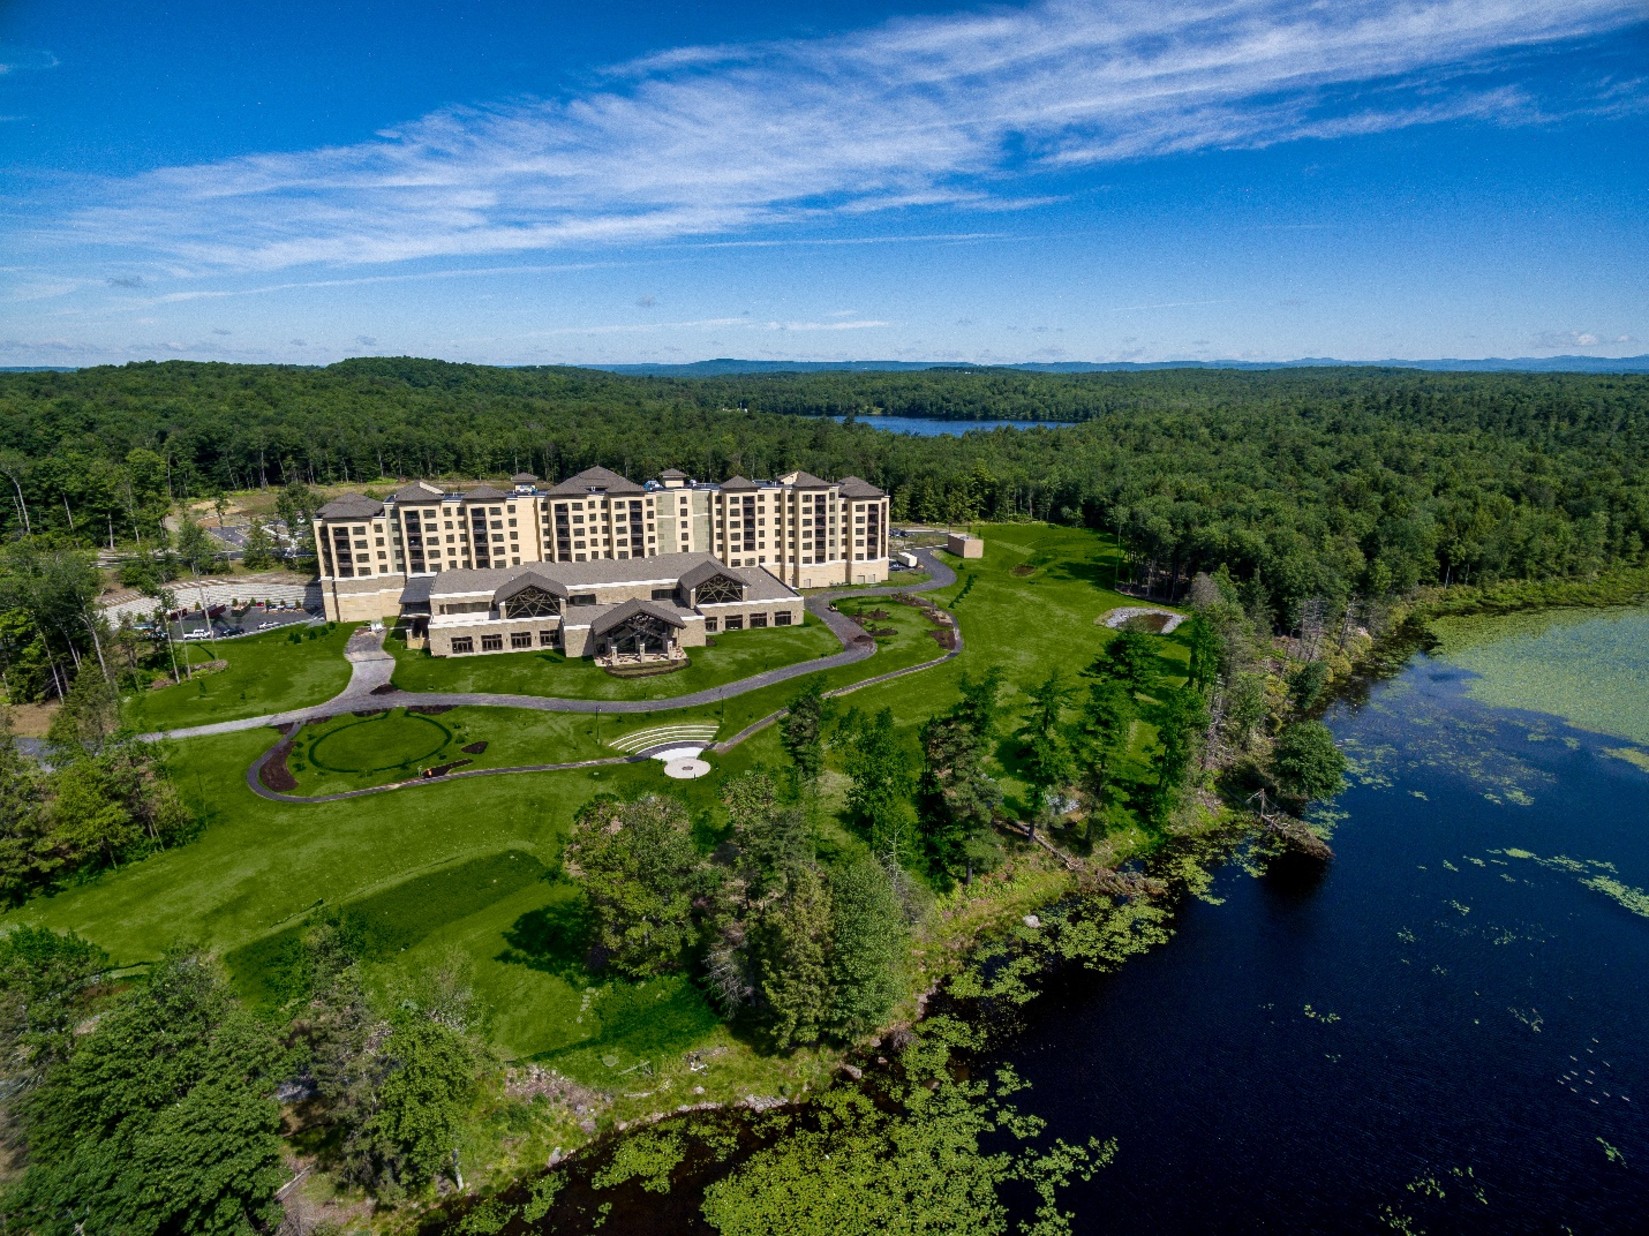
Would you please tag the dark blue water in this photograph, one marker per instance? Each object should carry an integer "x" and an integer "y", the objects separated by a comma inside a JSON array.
[
  {"x": 1481, "y": 1020},
  {"x": 927, "y": 427}
]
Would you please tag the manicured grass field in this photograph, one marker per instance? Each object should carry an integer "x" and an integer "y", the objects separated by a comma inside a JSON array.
[
  {"x": 474, "y": 865},
  {"x": 737, "y": 654},
  {"x": 267, "y": 673}
]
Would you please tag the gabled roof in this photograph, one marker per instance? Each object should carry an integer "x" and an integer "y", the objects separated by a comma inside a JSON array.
[
  {"x": 672, "y": 474},
  {"x": 804, "y": 480},
  {"x": 739, "y": 482},
  {"x": 485, "y": 493},
  {"x": 857, "y": 487},
  {"x": 351, "y": 506},
  {"x": 418, "y": 491},
  {"x": 622, "y": 613},
  {"x": 595, "y": 480},
  {"x": 708, "y": 570},
  {"x": 523, "y": 478},
  {"x": 529, "y": 579}
]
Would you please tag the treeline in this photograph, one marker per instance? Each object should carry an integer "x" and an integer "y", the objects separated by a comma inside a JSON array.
[
  {"x": 1320, "y": 484},
  {"x": 153, "y": 1104},
  {"x": 103, "y": 800}
]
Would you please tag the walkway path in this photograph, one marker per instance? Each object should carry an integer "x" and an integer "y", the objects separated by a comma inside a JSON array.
[
  {"x": 358, "y": 695},
  {"x": 373, "y": 668}
]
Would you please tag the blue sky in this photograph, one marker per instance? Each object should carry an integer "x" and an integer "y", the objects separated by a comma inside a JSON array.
[{"x": 558, "y": 183}]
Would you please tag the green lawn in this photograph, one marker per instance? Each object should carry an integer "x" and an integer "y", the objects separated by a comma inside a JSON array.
[
  {"x": 267, "y": 673},
  {"x": 546, "y": 672},
  {"x": 474, "y": 864}
]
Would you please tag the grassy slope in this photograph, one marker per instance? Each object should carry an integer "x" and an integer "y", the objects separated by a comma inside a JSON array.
[
  {"x": 737, "y": 654},
  {"x": 267, "y": 673},
  {"x": 415, "y": 855}
]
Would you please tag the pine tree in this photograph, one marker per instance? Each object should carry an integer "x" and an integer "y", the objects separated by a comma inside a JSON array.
[
  {"x": 795, "y": 979},
  {"x": 867, "y": 946},
  {"x": 802, "y": 734},
  {"x": 1045, "y": 753},
  {"x": 956, "y": 800}
]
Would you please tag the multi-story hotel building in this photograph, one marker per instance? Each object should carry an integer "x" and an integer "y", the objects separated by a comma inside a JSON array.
[{"x": 806, "y": 532}]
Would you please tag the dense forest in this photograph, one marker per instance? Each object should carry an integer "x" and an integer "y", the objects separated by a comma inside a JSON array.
[{"x": 1307, "y": 483}]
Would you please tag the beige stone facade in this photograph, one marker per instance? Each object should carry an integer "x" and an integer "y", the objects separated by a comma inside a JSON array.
[
  {"x": 641, "y": 609},
  {"x": 804, "y": 531}
]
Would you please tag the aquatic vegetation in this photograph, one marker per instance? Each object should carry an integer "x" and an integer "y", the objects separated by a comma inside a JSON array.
[
  {"x": 1328, "y": 1019},
  {"x": 1612, "y": 1152},
  {"x": 1594, "y": 873},
  {"x": 1634, "y": 899},
  {"x": 1460, "y": 906},
  {"x": 1585, "y": 666},
  {"x": 1532, "y": 1019},
  {"x": 647, "y": 1158},
  {"x": 1634, "y": 756}
]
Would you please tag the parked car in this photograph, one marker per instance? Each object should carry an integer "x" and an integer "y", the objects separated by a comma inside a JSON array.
[{"x": 200, "y": 634}]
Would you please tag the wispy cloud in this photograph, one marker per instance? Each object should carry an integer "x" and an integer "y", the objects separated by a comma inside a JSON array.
[
  {"x": 955, "y": 112},
  {"x": 1567, "y": 340}
]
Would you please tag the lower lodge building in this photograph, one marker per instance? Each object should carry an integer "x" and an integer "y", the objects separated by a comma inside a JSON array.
[{"x": 597, "y": 565}]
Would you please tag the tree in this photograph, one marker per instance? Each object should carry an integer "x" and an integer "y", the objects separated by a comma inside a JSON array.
[
  {"x": 1181, "y": 721},
  {"x": 194, "y": 544},
  {"x": 794, "y": 937},
  {"x": 867, "y": 946},
  {"x": 1129, "y": 657},
  {"x": 46, "y": 984},
  {"x": 979, "y": 709},
  {"x": 639, "y": 869},
  {"x": 161, "y": 1120},
  {"x": 1043, "y": 747},
  {"x": 88, "y": 719},
  {"x": 802, "y": 734},
  {"x": 1306, "y": 684},
  {"x": 259, "y": 554},
  {"x": 956, "y": 799},
  {"x": 1102, "y": 732},
  {"x": 28, "y": 858},
  {"x": 296, "y": 505},
  {"x": 879, "y": 769},
  {"x": 773, "y": 839},
  {"x": 1305, "y": 763}
]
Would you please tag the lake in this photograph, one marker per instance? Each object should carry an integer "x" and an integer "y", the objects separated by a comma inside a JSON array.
[
  {"x": 1441, "y": 1031},
  {"x": 929, "y": 427}
]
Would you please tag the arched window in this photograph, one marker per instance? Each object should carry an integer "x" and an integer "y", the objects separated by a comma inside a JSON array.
[{"x": 532, "y": 603}]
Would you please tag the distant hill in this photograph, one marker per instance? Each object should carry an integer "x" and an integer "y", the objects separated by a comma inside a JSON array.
[{"x": 727, "y": 366}]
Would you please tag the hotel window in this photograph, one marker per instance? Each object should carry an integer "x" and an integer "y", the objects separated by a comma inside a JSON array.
[
  {"x": 735, "y": 622},
  {"x": 546, "y": 639},
  {"x": 492, "y": 643},
  {"x": 782, "y": 618},
  {"x": 462, "y": 644},
  {"x": 710, "y": 625},
  {"x": 520, "y": 639},
  {"x": 758, "y": 620}
]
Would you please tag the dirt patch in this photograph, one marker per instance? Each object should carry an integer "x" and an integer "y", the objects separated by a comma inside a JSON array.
[
  {"x": 945, "y": 637},
  {"x": 474, "y": 748},
  {"x": 431, "y": 710},
  {"x": 880, "y": 615},
  {"x": 1147, "y": 618},
  {"x": 387, "y": 688},
  {"x": 370, "y": 712},
  {"x": 441, "y": 770},
  {"x": 274, "y": 774},
  {"x": 1024, "y": 569},
  {"x": 33, "y": 720},
  {"x": 881, "y": 632}
]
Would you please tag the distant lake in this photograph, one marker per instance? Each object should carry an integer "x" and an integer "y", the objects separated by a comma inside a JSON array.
[{"x": 932, "y": 427}]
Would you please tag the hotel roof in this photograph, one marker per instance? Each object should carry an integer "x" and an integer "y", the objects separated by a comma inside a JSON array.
[{"x": 351, "y": 506}]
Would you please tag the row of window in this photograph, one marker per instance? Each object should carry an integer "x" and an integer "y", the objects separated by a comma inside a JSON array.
[{"x": 521, "y": 641}]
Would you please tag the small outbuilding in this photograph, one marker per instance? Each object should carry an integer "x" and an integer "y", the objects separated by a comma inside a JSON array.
[{"x": 964, "y": 545}]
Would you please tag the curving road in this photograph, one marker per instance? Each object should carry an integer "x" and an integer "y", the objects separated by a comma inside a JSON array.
[
  {"x": 369, "y": 656},
  {"x": 373, "y": 668}
]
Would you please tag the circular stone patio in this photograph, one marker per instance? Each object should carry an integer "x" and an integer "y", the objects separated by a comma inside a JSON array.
[{"x": 689, "y": 768}]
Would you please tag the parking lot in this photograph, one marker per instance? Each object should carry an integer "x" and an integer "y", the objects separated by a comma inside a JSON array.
[{"x": 224, "y": 623}]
